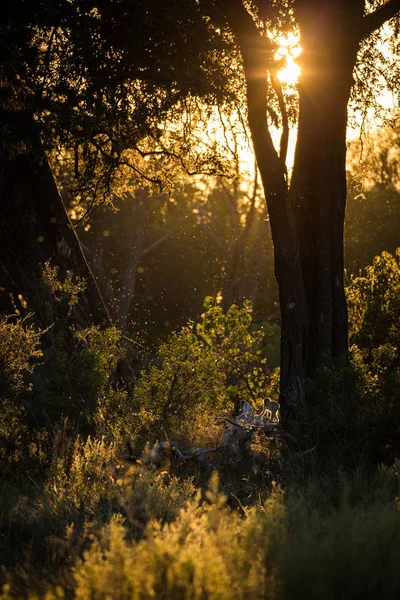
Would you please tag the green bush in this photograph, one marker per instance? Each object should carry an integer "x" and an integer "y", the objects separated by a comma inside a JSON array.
[
  {"x": 207, "y": 552},
  {"x": 90, "y": 480},
  {"x": 203, "y": 370},
  {"x": 302, "y": 546},
  {"x": 354, "y": 413},
  {"x": 379, "y": 402},
  {"x": 374, "y": 303},
  {"x": 82, "y": 478},
  {"x": 354, "y": 410},
  {"x": 19, "y": 355},
  {"x": 76, "y": 374},
  {"x": 40, "y": 388}
]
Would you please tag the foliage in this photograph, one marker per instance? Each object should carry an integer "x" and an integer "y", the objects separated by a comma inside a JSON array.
[
  {"x": 379, "y": 417},
  {"x": 65, "y": 387},
  {"x": 67, "y": 291},
  {"x": 189, "y": 558},
  {"x": 332, "y": 538},
  {"x": 19, "y": 353},
  {"x": 373, "y": 208},
  {"x": 137, "y": 80},
  {"x": 88, "y": 478},
  {"x": 354, "y": 411},
  {"x": 76, "y": 373},
  {"x": 55, "y": 520},
  {"x": 373, "y": 303},
  {"x": 204, "y": 370},
  {"x": 103, "y": 526}
]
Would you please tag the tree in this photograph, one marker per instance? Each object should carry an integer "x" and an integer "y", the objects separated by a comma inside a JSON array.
[
  {"x": 373, "y": 199},
  {"x": 233, "y": 219},
  {"x": 72, "y": 79},
  {"x": 115, "y": 75},
  {"x": 307, "y": 214},
  {"x": 116, "y": 245},
  {"x": 36, "y": 228}
]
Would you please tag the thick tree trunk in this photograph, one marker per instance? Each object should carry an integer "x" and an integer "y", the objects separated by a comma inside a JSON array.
[
  {"x": 318, "y": 193},
  {"x": 307, "y": 221},
  {"x": 35, "y": 228},
  {"x": 318, "y": 186}
]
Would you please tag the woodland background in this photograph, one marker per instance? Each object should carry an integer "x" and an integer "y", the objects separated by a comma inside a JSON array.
[{"x": 141, "y": 317}]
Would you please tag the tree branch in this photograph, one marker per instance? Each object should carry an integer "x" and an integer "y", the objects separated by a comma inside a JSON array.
[
  {"x": 258, "y": 57},
  {"x": 211, "y": 232},
  {"x": 276, "y": 84},
  {"x": 159, "y": 241},
  {"x": 377, "y": 18}
]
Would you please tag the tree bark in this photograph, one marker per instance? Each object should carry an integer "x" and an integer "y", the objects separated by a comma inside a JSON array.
[
  {"x": 35, "y": 228},
  {"x": 307, "y": 221},
  {"x": 318, "y": 186}
]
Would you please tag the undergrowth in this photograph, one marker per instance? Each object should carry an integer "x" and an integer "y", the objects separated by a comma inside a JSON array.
[{"x": 83, "y": 514}]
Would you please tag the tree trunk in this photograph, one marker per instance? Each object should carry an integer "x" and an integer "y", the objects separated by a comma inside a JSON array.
[
  {"x": 35, "y": 228},
  {"x": 287, "y": 260},
  {"x": 307, "y": 221},
  {"x": 318, "y": 186}
]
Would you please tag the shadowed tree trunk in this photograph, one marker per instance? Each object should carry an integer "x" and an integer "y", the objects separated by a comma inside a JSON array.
[
  {"x": 35, "y": 228},
  {"x": 318, "y": 186},
  {"x": 129, "y": 245},
  {"x": 307, "y": 219}
]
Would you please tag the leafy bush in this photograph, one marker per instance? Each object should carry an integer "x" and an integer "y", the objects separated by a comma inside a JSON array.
[
  {"x": 72, "y": 381},
  {"x": 203, "y": 371},
  {"x": 374, "y": 303},
  {"x": 19, "y": 354},
  {"x": 354, "y": 410},
  {"x": 302, "y": 546},
  {"x": 379, "y": 403},
  {"x": 90, "y": 479},
  {"x": 82, "y": 478},
  {"x": 374, "y": 317},
  {"x": 207, "y": 552},
  {"x": 76, "y": 373}
]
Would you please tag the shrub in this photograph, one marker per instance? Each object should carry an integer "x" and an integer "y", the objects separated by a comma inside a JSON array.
[
  {"x": 302, "y": 546},
  {"x": 19, "y": 354},
  {"x": 203, "y": 370},
  {"x": 379, "y": 403},
  {"x": 354, "y": 409},
  {"x": 374, "y": 303},
  {"x": 76, "y": 373},
  {"x": 207, "y": 552},
  {"x": 91, "y": 479},
  {"x": 82, "y": 477}
]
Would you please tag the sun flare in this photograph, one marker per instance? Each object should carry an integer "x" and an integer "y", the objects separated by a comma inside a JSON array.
[
  {"x": 290, "y": 73},
  {"x": 289, "y": 50}
]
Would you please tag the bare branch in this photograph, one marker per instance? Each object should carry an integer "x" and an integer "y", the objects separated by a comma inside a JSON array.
[
  {"x": 258, "y": 58},
  {"x": 232, "y": 422},
  {"x": 211, "y": 232},
  {"x": 224, "y": 128},
  {"x": 381, "y": 15},
  {"x": 159, "y": 241}
]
